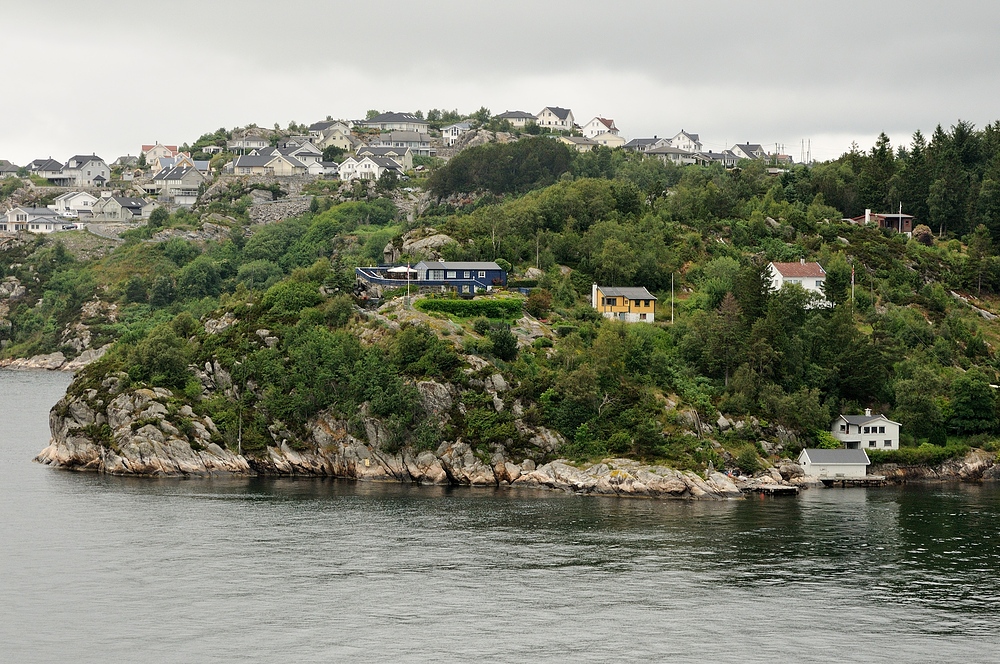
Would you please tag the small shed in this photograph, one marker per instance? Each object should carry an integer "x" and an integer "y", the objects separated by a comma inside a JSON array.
[{"x": 834, "y": 463}]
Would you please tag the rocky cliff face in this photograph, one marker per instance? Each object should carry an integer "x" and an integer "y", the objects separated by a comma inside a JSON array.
[
  {"x": 150, "y": 432},
  {"x": 976, "y": 465}
]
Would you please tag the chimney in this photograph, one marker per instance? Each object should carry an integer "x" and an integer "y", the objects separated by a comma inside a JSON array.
[
  {"x": 593, "y": 296},
  {"x": 868, "y": 412},
  {"x": 868, "y": 216}
]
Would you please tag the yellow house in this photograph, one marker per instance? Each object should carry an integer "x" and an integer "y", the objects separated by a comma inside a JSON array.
[{"x": 631, "y": 304}]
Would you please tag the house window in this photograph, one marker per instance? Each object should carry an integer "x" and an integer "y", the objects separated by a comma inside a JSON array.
[
  {"x": 452, "y": 274},
  {"x": 881, "y": 429},
  {"x": 435, "y": 274},
  {"x": 610, "y": 301},
  {"x": 642, "y": 316},
  {"x": 872, "y": 443},
  {"x": 468, "y": 274},
  {"x": 842, "y": 429},
  {"x": 866, "y": 429},
  {"x": 887, "y": 443},
  {"x": 482, "y": 274}
]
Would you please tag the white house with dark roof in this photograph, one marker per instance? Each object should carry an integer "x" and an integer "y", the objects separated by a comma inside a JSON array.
[
  {"x": 247, "y": 143},
  {"x": 46, "y": 168},
  {"x": 367, "y": 168},
  {"x": 402, "y": 156},
  {"x": 555, "y": 118},
  {"x": 7, "y": 169},
  {"x": 644, "y": 144},
  {"x": 391, "y": 121},
  {"x": 834, "y": 464},
  {"x": 749, "y": 151},
  {"x": 31, "y": 219},
  {"x": 517, "y": 119},
  {"x": 866, "y": 431},
  {"x": 671, "y": 155},
  {"x": 686, "y": 141},
  {"x": 630, "y": 304},
  {"x": 85, "y": 170},
  {"x": 810, "y": 276}
]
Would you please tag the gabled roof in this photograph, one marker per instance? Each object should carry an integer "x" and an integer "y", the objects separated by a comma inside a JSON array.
[
  {"x": 45, "y": 165},
  {"x": 610, "y": 124},
  {"x": 799, "y": 269},
  {"x": 640, "y": 142},
  {"x": 578, "y": 140},
  {"x": 382, "y": 150},
  {"x": 404, "y": 136},
  {"x": 126, "y": 201},
  {"x": 630, "y": 292},
  {"x": 464, "y": 126},
  {"x": 175, "y": 173},
  {"x": 36, "y": 211},
  {"x": 457, "y": 265},
  {"x": 7, "y": 167},
  {"x": 667, "y": 149},
  {"x": 865, "y": 419},
  {"x": 82, "y": 159},
  {"x": 857, "y": 457},
  {"x": 251, "y": 160},
  {"x": 693, "y": 137},
  {"x": 395, "y": 117},
  {"x": 515, "y": 115},
  {"x": 386, "y": 162},
  {"x": 561, "y": 113}
]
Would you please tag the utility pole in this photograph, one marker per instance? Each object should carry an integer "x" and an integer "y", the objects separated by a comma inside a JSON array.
[{"x": 671, "y": 298}]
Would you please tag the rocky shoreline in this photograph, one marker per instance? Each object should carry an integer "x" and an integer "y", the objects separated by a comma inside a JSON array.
[{"x": 150, "y": 432}]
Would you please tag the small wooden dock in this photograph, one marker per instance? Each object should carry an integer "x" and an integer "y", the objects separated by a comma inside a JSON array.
[
  {"x": 773, "y": 490},
  {"x": 844, "y": 482}
]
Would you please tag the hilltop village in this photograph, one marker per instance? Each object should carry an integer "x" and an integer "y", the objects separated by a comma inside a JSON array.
[{"x": 512, "y": 298}]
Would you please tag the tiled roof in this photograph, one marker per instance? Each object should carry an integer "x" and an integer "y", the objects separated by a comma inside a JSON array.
[
  {"x": 561, "y": 113},
  {"x": 800, "y": 269},
  {"x": 515, "y": 115}
]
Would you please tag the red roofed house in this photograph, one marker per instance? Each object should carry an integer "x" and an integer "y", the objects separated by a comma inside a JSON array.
[
  {"x": 901, "y": 223},
  {"x": 808, "y": 275},
  {"x": 154, "y": 152}
]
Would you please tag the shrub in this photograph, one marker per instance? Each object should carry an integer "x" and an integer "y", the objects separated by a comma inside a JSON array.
[
  {"x": 490, "y": 308},
  {"x": 288, "y": 298},
  {"x": 504, "y": 344}
]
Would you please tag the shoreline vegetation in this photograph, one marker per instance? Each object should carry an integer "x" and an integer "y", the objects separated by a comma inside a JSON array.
[{"x": 221, "y": 339}]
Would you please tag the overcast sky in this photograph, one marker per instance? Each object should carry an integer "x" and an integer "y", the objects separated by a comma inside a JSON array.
[{"x": 109, "y": 75}]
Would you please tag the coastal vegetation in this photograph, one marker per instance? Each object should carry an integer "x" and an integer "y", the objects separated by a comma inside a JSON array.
[{"x": 905, "y": 325}]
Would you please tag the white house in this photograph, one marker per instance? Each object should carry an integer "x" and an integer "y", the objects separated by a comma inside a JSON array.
[
  {"x": 599, "y": 126},
  {"x": 33, "y": 219},
  {"x": 555, "y": 118},
  {"x": 866, "y": 431},
  {"x": 686, "y": 141},
  {"x": 402, "y": 156},
  {"x": 367, "y": 168},
  {"x": 73, "y": 204},
  {"x": 834, "y": 464},
  {"x": 811, "y": 276},
  {"x": 670, "y": 154},
  {"x": 749, "y": 151},
  {"x": 452, "y": 133}
]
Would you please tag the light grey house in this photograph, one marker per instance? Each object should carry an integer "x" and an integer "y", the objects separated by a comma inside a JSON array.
[
  {"x": 834, "y": 464},
  {"x": 866, "y": 431}
]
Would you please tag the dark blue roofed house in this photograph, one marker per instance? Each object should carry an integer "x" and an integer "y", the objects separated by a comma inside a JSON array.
[{"x": 462, "y": 277}]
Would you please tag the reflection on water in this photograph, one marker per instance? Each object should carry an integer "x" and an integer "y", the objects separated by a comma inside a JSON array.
[{"x": 100, "y": 568}]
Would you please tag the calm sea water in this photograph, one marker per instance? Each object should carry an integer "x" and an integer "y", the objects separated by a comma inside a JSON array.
[{"x": 105, "y": 569}]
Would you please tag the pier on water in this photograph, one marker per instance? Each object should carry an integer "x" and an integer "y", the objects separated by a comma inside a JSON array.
[{"x": 844, "y": 482}]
